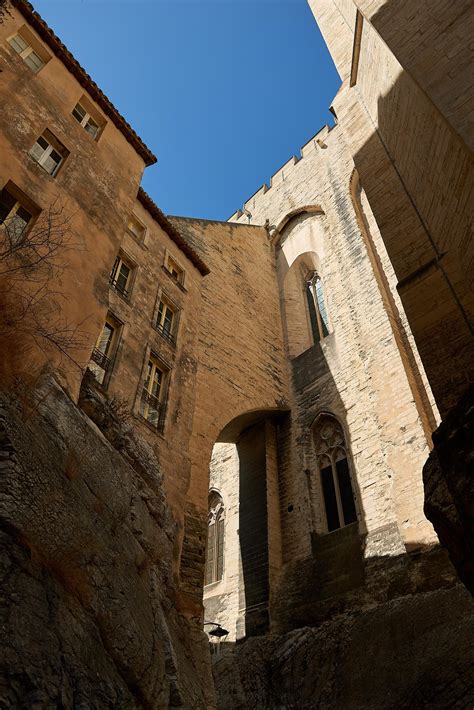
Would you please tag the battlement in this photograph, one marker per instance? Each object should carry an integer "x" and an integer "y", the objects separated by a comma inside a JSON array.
[{"x": 315, "y": 143}]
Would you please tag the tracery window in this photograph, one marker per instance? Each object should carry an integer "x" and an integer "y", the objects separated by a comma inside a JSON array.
[
  {"x": 334, "y": 471},
  {"x": 215, "y": 539},
  {"x": 318, "y": 314}
]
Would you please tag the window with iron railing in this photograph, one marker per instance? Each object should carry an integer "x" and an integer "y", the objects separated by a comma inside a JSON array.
[
  {"x": 152, "y": 400},
  {"x": 166, "y": 320},
  {"x": 101, "y": 358},
  {"x": 121, "y": 276}
]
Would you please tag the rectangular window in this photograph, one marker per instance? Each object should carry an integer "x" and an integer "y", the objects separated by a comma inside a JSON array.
[
  {"x": 152, "y": 404},
  {"x": 174, "y": 270},
  {"x": 49, "y": 153},
  {"x": 121, "y": 276},
  {"x": 89, "y": 119},
  {"x": 166, "y": 320},
  {"x": 136, "y": 228},
  {"x": 101, "y": 360},
  {"x": 30, "y": 49},
  {"x": 15, "y": 215}
]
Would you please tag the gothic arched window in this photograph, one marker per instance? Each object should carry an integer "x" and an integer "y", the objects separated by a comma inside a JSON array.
[
  {"x": 318, "y": 314},
  {"x": 215, "y": 539},
  {"x": 333, "y": 465}
]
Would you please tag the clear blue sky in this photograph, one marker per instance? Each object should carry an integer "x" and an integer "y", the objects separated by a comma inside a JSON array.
[{"x": 222, "y": 91}]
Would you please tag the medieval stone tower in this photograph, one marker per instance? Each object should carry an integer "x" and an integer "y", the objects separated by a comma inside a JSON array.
[{"x": 224, "y": 425}]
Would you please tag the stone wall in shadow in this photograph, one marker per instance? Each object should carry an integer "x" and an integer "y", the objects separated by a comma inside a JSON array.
[
  {"x": 409, "y": 652},
  {"x": 449, "y": 487},
  {"x": 418, "y": 177}
]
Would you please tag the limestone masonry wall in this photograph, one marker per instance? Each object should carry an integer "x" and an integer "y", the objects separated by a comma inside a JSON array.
[
  {"x": 405, "y": 119},
  {"x": 96, "y": 187},
  {"x": 302, "y": 354}
]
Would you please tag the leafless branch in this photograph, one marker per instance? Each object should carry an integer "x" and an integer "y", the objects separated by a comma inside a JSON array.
[
  {"x": 40, "y": 250},
  {"x": 31, "y": 303},
  {"x": 4, "y": 10}
]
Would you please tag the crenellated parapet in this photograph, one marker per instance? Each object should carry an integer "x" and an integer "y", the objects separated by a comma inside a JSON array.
[{"x": 316, "y": 143}]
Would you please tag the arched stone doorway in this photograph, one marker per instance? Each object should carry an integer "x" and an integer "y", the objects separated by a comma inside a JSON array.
[{"x": 244, "y": 471}]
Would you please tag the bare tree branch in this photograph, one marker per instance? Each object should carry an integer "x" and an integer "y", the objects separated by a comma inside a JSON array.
[
  {"x": 4, "y": 10},
  {"x": 31, "y": 262}
]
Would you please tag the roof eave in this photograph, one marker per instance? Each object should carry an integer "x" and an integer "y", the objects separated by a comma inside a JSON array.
[
  {"x": 61, "y": 51},
  {"x": 174, "y": 234}
]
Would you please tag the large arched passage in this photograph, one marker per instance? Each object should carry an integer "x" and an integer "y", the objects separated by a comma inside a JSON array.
[{"x": 244, "y": 471}]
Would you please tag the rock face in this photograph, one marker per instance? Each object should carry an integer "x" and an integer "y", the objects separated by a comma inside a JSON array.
[
  {"x": 448, "y": 478},
  {"x": 412, "y": 652},
  {"x": 88, "y": 614}
]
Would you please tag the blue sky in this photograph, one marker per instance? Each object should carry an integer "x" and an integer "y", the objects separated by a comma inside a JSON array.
[{"x": 222, "y": 91}]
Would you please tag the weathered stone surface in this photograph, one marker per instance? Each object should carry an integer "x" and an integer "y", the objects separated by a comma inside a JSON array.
[
  {"x": 414, "y": 652},
  {"x": 448, "y": 477},
  {"x": 89, "y": 618}
]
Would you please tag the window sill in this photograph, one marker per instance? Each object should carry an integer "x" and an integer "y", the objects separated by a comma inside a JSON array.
[
  {"x": 324, "y": 541},
  {"x": 213, "y": 585},
  {"x": 99, "y": 386},
  {"x": 170, "y": 341},
  {"x": 95, "y": 139},
  {"x": 137, "y": 240},
  {"x": 126, "y": 299},
  {"x": 149, "y": 426},
  {"x": 33, "y": 163}
]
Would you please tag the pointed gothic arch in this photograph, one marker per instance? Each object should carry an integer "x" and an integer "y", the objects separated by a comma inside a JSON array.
[
  {"x": 215, "y": 538},
  {"x": 334, "y": 471}
]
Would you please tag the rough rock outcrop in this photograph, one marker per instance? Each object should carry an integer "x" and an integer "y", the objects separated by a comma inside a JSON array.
[
  {"x": 448, "y": 478},
  {"x": 88, "y": 616},
  {"x": 413, "y": 652}
]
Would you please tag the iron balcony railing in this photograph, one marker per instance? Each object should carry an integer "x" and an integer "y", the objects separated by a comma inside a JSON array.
[
  {"x": 153, "y": 410},
  {"x": 166, "y": 333},
  {"x": 117, "y": 287},
  {"x": 100, "y": 359}
]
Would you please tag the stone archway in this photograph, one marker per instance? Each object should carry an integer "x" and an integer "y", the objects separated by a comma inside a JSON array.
[{"x": 244, "y": 469}]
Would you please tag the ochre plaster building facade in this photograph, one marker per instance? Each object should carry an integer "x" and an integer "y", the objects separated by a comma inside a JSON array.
[{"x": 294, "y": 360}]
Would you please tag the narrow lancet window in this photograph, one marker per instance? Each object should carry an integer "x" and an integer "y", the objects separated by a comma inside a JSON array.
[
  {"x": 318, "y": 314},
  {"x": 333, "y": 465},
  {"x": 215, "y": 539}
]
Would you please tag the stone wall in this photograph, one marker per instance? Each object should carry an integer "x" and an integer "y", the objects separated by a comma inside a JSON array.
[
  {"x": 96, "y": 187},
  {"x": 242, "y": 376},
  {"x": 367, "y": 372},
  {"x": 412, "y": 652},
  {"x": 222, "y": 598},
  {"x": 138, "y": 338},
  {"x": 89, "y": 613},
  {"x": 405, "y": 119},
  {"x": 449, "y": 487}
]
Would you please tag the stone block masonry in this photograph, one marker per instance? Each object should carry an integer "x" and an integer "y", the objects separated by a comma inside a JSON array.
[{"x": 293, "y": 358}]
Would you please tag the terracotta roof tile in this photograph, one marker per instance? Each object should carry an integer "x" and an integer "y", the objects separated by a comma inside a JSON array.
[{"x": 172, "y": 231}]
